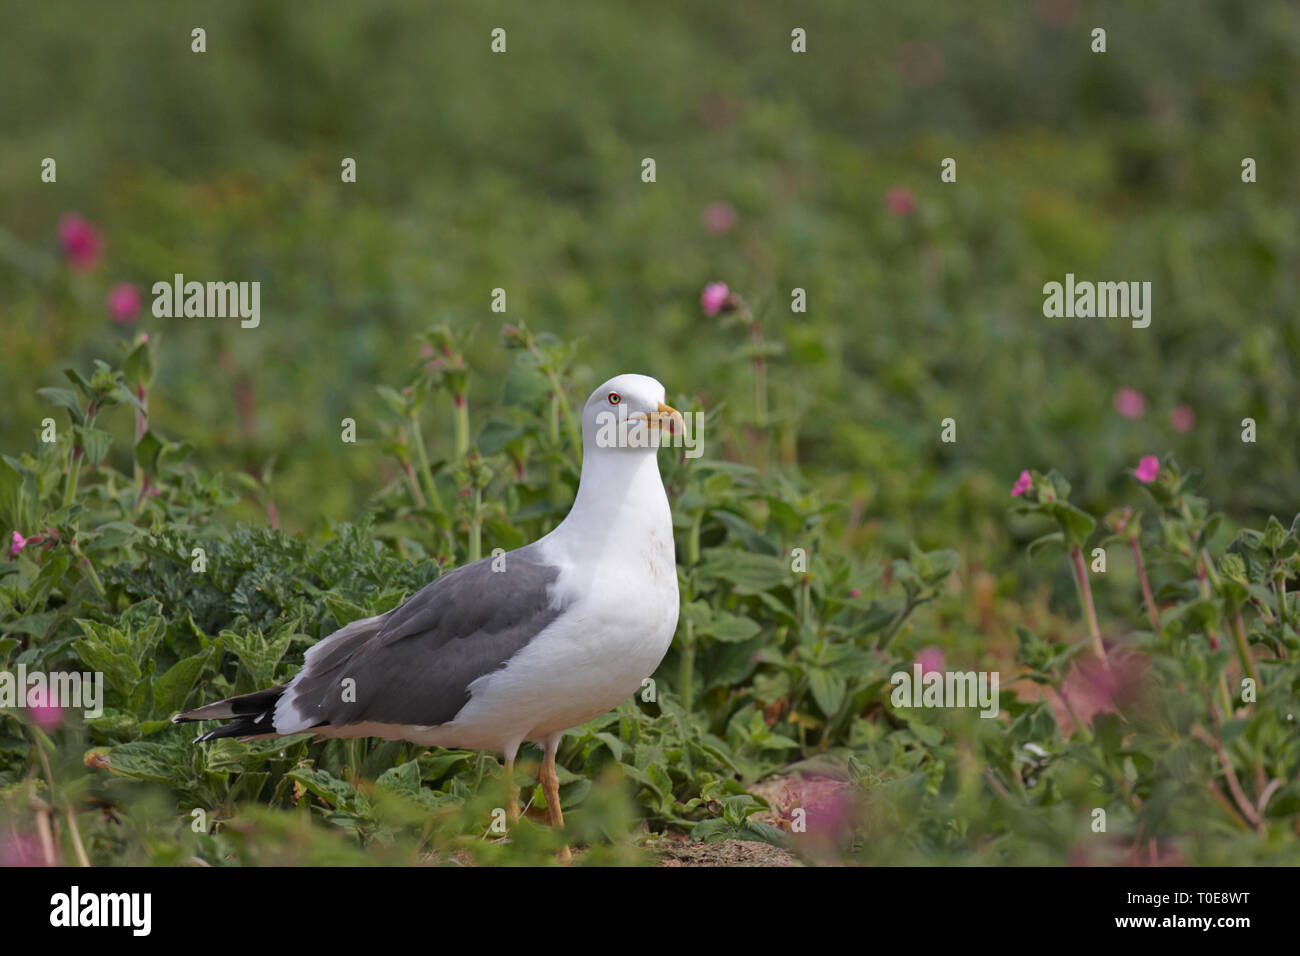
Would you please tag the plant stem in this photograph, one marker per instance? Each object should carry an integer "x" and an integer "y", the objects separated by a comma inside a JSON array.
[
  {"x": 422, "y": 456},
  {"x": 1153, "y": 614},
  {"x": 686, "y": 675},
  {"x": 557, "y": 396},
  {"x": 90, "y": 569},
  {"x": 760, "y": 389},
  {"x": 476, "y": 527},
  {"x": 1201, "y": 563},
  {"x": 78, "y": 452},
  {"x": 416, "y": 493},
  {"x": 1279, "y": 586},
  {"x": 693, "y": 539},
  {"x": 462, "y": 425},
  {"x": 1243, "y": 648},
  {"x": 1085, "y": 598},
  {"x": 896, "y": 625},
  {"x": 1079, "y": 725}
]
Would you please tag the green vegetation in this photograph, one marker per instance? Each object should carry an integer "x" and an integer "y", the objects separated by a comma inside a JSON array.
[{"x": 775, "y": 171}]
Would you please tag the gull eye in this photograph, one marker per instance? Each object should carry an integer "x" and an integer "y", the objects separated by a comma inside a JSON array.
[{"x": 615, "y": 398}]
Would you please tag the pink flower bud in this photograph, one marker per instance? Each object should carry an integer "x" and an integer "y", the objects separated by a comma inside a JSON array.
[
  {"x": 931, "y": 659},
  {"x": 123, "y": 303},
  {"x": 48, "y": 718},
  {"x": 714, "y": 297},
  {"x": 1023, "y": 484},
  {"x": 1130, "y": 403},
  {"x": 81, "y": 241},
  {"x": 1147, "y": 470},
  {"x": 1183, "y": 418},
  {"x": 900, "y": 201},
  {"x": 719, "y": 217}
]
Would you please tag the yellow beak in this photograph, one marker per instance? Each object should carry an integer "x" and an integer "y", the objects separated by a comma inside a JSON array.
[
  {"x": 665, "y": 417},
  {"x": 671, "y": 417}
]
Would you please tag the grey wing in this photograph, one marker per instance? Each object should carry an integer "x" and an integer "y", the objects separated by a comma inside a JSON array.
[{"x": 414, "y": 665}]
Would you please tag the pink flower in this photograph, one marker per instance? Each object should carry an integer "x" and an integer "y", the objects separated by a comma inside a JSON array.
[
  {"x": 901, "y": 201},
  {"x": 46, "y": 717},
  {"x": 719, "y": 217},
  {"x": 19, "y": 542},
  {"x": 1147, "y": 470},
  {"x": 931, "y": 659},
  {"x": 123, "y": 303},
  {"x": 1183, "y": 418},
  {"x": 855, "y": 592},
  {"x": 1130, "y": 403},
  {"x": 828, "y": 807},
  {"x": 21, "y": 849},
  {"x": 1023, "y": 484},
  {"x": 81, "y": 241},
  {"x": 714, "y": 297}
]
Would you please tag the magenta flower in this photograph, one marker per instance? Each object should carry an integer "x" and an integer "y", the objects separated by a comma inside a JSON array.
[
  {"x": 1023, "y": 484},
  {"x": 719, "y": 217},
  {"x": 123, "y": 303},
  {"x": 931, "y": 659},
  {"x": 48, "y": 718},
  {"x": 1183, "y": 418},
  {"x": 21, "y": 849},
  {"x": 828, "y": 806},
  {"x": 900, "y": 201},
  {"x": 714, "y": 297},
  {"x": 81, "y": 241},
  {"x": 1147, "y": 470},
  {"x": 1130, "y": 403},
  {"x": 855, "y": 592},
  {"x": 19, "y": 542}
]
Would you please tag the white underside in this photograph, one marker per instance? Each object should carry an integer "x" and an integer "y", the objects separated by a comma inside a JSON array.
[{"x": 618, "y": 584}]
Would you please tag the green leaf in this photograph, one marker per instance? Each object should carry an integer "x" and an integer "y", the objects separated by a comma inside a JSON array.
[
  {"x": 138, "y": 367},
  {"x": 18, "y": 498},
  {"x": 344, "y": 611},
  {"x": 749, "y": 536},
  {"x": 64, "y": 398},
  {"x": 172, "y": 688},
  {"x": 731, "y": 628},
  {"x": 1055, "y": 537},
  {"x": 160, "y": 762},
  {"x": 96, "y": 444},
  {"x": 393, "y": 400},
  {"x": 827, "y": 689},
  {"x": 1076, "y": 524},
  {"x": 748, "y": 573},
  {"x": 335, "y": 792},
  {"x": 146, "y": 452}
]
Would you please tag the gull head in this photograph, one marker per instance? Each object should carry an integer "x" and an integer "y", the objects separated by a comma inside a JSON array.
[{"x": 627, "y": 413}]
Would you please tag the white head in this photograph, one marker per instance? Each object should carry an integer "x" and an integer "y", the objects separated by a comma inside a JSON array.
[{"x": 625, "y": 413}]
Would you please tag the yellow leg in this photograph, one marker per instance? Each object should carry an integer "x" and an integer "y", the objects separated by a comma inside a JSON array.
[{"x": 551, "y": 790}]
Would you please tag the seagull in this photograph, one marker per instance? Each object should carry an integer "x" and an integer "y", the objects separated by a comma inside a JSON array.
[{"x": 517, "y": 647}]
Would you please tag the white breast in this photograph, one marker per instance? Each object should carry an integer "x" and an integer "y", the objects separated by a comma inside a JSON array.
[{"x": 618, "y": 586}]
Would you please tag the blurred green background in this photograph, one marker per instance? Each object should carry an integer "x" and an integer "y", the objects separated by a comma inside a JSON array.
[{"x": 522, "y": 171}]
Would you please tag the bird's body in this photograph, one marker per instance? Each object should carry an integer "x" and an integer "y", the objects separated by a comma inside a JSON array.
[{"x": 515, "y": 647}]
